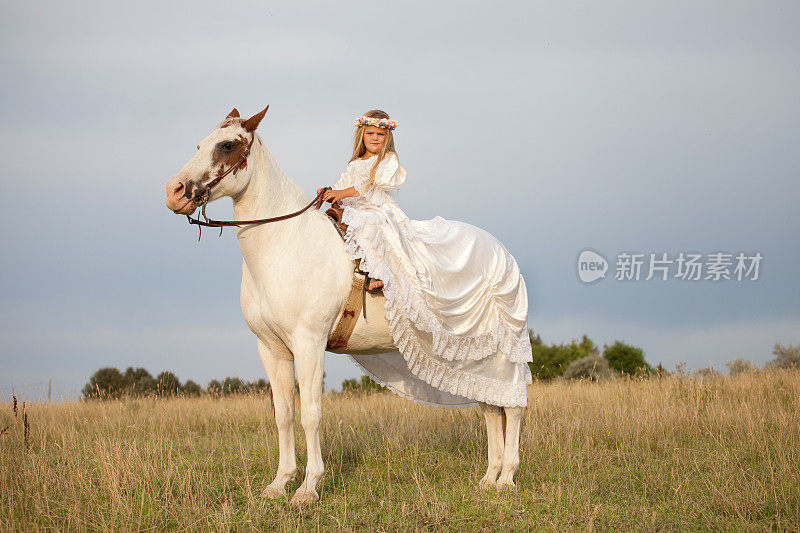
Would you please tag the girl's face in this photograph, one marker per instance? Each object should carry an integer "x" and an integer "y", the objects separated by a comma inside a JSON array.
[{"x": 374, "y": 137}]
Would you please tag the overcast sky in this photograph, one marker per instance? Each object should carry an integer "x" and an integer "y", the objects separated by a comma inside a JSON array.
[{"x": 639, "y": 127}]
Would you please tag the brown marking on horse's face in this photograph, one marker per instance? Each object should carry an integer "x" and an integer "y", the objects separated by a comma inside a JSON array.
[
  {"x": 219, "y": 152},
  {"x": 227, "y": 153}
]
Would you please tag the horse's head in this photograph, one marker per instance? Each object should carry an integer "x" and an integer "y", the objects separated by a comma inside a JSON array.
[{"x": 218, "y": 168}]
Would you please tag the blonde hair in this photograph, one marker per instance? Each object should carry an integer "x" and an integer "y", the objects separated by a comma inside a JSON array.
[{"x": 359, "y": 149}]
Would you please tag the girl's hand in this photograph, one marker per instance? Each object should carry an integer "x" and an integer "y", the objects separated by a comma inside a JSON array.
[
  {"x": 338, "y": 195},
  {"x": 327, "y": 194},
  {"x": 330, "y": 196}
]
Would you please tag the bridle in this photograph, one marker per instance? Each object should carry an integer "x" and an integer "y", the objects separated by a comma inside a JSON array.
[
  {"x": 213, "y": 183},
  {"x": 209, "y": 223}
]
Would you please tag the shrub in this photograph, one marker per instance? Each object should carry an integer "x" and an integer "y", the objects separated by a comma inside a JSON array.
[
  {"x": 214, "y": 387},
  {"x": 592, "y": 367},
  {"x": 535, "y": 338},
  {"x": 107, "y": 382},
  {"x": 625, "y": 358},
  {"x": 365, "y": 384},
  {"x": 139, "y": 381},
  {"x": 233, "y": 386},
  {"x": 707, "y": 372},
  {"x": 259, "y": 386},
  {"x": 552, "y": 361},
  {"x": 190, "y": 388},
  {"x": 740, "y": 366},
  {"x": 786, "y": 357},
  {"x": 168, "y": 384}
]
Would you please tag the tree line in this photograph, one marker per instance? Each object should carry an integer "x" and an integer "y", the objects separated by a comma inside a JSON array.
[
  {"x": 575, "y": 360},
  {"x": 109, "y": 382},
  {"x": 583, "y": 360}
]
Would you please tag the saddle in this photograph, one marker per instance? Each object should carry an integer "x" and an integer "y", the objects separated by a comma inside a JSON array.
[{"x": 357, "y": 299}]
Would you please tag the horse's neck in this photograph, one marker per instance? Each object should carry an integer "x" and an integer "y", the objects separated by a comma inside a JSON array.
[{"x": 269, "y": 193}]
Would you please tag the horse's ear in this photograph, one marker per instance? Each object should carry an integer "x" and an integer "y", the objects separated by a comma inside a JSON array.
[
  {"x": 233, "y": 114},
  {"x": 252, "y": 123}
]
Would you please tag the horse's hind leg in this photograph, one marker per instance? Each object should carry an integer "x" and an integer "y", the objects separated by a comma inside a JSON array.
[
  {"x": 511, "y": 449},
  {"x": 280, "y": 370},
  {"x": 494, "y": 433}
]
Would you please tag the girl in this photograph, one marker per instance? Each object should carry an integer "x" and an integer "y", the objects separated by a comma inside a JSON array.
[{"x": 455, "y": 299}]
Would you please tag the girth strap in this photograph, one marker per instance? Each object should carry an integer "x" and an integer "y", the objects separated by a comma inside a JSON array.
[{"x": 347, "y": 321}]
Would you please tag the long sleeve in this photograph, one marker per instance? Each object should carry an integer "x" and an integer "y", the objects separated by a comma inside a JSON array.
[
  {"x": 389, "y": 175},
  {"x": 344, "y": 182}
]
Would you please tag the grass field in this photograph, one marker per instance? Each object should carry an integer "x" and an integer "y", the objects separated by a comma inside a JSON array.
[{"x": 644, "y": 455}]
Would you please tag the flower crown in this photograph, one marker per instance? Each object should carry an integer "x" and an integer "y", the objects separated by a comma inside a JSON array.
[{"x": 386, "y": 123}]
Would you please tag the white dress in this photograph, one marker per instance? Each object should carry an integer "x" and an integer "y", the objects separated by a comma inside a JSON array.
[{"x": 456, "y": 302}]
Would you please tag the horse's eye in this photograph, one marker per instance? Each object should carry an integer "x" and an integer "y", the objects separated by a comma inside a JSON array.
[{"x": 228, "y": 146}]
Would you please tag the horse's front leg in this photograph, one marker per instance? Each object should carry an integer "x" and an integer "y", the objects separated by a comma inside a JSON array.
[
  {"x": 309, "y": 357},
  {"x": 280, "y": 369}
]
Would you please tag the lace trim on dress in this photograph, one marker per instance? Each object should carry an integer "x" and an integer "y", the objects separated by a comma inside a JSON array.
[
  {"x": 399, "y": 392},
  {"x": 406, "y": 309}
]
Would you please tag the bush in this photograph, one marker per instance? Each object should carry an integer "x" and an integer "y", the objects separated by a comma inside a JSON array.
[
  {"x": 233, "y": 386},
  {"x": 740, "y": 366},
  {"x": 592, "y": 367},
  {"x": 139, "y": 381},
  {"x": 625, "y": 358},
  {"x": 707, "y": 372},
  {"x": 365, "y": 384},
  {"x": 190, "y": 388},
  {"x": 168, "y": 384},
  {"x": 787, "y": 357},
  {"x": 259, "y": 386},
  {"x": 552, "y": 361},
  {"x": 214, "y": 387},
  {"x": 107, "y": 382}
]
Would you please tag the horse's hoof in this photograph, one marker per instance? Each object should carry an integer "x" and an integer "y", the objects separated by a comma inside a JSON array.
[
  {"x": 487, "y": 483},
  {"x": 506, "y": 484},
  {"x": 274, "y": 493},
  {"x": 304, "y": 497}
]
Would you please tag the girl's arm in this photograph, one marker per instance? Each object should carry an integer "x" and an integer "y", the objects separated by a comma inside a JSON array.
[
  {"x": 341, "y": 189},
  {"x": 337, "y": 195},
  {"x": 389, "y": 175}
]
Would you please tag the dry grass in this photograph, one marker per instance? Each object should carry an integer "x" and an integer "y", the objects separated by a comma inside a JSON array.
[{"x": 677, "y": 454}]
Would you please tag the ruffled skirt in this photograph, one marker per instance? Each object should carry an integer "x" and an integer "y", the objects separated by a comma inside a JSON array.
[{"x": 456, "y": 304}]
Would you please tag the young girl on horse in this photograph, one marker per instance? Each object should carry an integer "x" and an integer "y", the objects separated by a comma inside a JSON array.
[
  {"x": 455, "y": 299},
  {"x": 373, "y": 149}
]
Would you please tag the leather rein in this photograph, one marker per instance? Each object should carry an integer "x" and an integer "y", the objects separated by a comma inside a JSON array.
[{"x": 210, "y": 223}]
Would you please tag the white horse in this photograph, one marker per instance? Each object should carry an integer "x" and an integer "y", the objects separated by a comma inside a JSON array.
[{"x": 296, "y": 277}]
